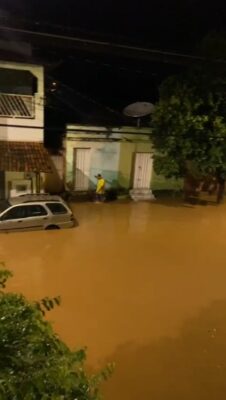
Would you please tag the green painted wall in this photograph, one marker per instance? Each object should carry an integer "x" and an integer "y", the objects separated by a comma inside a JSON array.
[
  {"x": 127, "y": 157},
  {"x": 114, "y": 159}
]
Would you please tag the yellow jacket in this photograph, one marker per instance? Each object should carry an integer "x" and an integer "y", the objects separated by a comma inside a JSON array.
[{"x": 100, "y": 186}]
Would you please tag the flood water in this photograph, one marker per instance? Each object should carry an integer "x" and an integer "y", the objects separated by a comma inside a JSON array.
[{"x": 143, "y": 285}]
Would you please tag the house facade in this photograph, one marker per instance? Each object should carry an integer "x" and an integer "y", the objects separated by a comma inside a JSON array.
[
  {"x": 124, "y": 156},
  {"x": 23, "y": 158}
]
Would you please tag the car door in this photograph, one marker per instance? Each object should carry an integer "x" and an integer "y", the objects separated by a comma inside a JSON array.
[
  {"x": 37, "y": 217},
  {"x": 14, "y": 219},
  {"x": 60, "y": 214}
]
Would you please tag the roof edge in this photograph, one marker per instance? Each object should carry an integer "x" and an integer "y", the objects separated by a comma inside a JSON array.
[{"x": 92, "y": 128}]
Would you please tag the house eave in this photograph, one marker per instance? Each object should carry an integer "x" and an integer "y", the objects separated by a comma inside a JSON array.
[{"x": 75, "y": 128}]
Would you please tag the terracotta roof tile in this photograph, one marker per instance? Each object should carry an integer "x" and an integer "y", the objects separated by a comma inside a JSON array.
[{"x": 24, "y": 157}]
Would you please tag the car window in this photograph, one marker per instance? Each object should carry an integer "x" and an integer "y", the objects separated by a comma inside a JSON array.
[
  {"x": 17, "y": 212},
  {"x": 57, "y": 208},
  {"x": 4, "y": 204},
  {"x": 35, "y": 210}
]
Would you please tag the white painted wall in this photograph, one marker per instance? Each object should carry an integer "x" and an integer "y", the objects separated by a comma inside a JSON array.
[
  {"x": 54, "y": 182},
  {"x": 58, "y": 163},
  {"x": 21, "y": 134},
  {"x": 23, "y": 129}
]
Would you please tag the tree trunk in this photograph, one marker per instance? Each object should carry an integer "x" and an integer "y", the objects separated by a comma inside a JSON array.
[
  {"x": 191, "y": 187},
  {"x": 220, "y": 192}
]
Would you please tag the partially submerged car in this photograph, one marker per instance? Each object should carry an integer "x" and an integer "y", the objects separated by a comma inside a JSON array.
[{"x": 34, "y": 212}]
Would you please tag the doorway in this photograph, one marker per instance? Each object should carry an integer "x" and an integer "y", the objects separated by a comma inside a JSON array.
[
  {"x": 142, "y": 171},
  {"x": 81, "y": 169}
]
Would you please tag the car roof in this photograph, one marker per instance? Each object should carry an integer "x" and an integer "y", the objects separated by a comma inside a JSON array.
[{"x": 30, "y": 198}]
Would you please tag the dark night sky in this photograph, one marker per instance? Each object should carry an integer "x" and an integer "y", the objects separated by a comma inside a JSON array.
[{"x": 176, "y": 25}]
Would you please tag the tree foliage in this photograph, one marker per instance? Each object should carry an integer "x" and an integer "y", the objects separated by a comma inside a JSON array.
[
  {"x": 34, "y": 363},
  {"x": 189, "y": 123}
]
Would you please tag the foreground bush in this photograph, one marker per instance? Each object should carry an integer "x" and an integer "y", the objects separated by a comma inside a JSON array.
[{"x": 34, "y": 363}]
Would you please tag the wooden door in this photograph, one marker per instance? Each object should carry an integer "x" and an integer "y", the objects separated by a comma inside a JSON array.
[
  {"x": 81, "y": 169},
  {"x": 142, "y": 171}
]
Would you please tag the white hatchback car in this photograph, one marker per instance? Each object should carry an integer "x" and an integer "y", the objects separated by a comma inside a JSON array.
[{"x": 35, "y": 211}]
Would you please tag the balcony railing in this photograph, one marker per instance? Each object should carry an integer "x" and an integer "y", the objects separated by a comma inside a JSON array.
[{"x": 17, "y": 106}]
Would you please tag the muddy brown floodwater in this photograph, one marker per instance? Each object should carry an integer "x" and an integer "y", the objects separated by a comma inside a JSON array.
[{"x": 143, "y": 285}]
